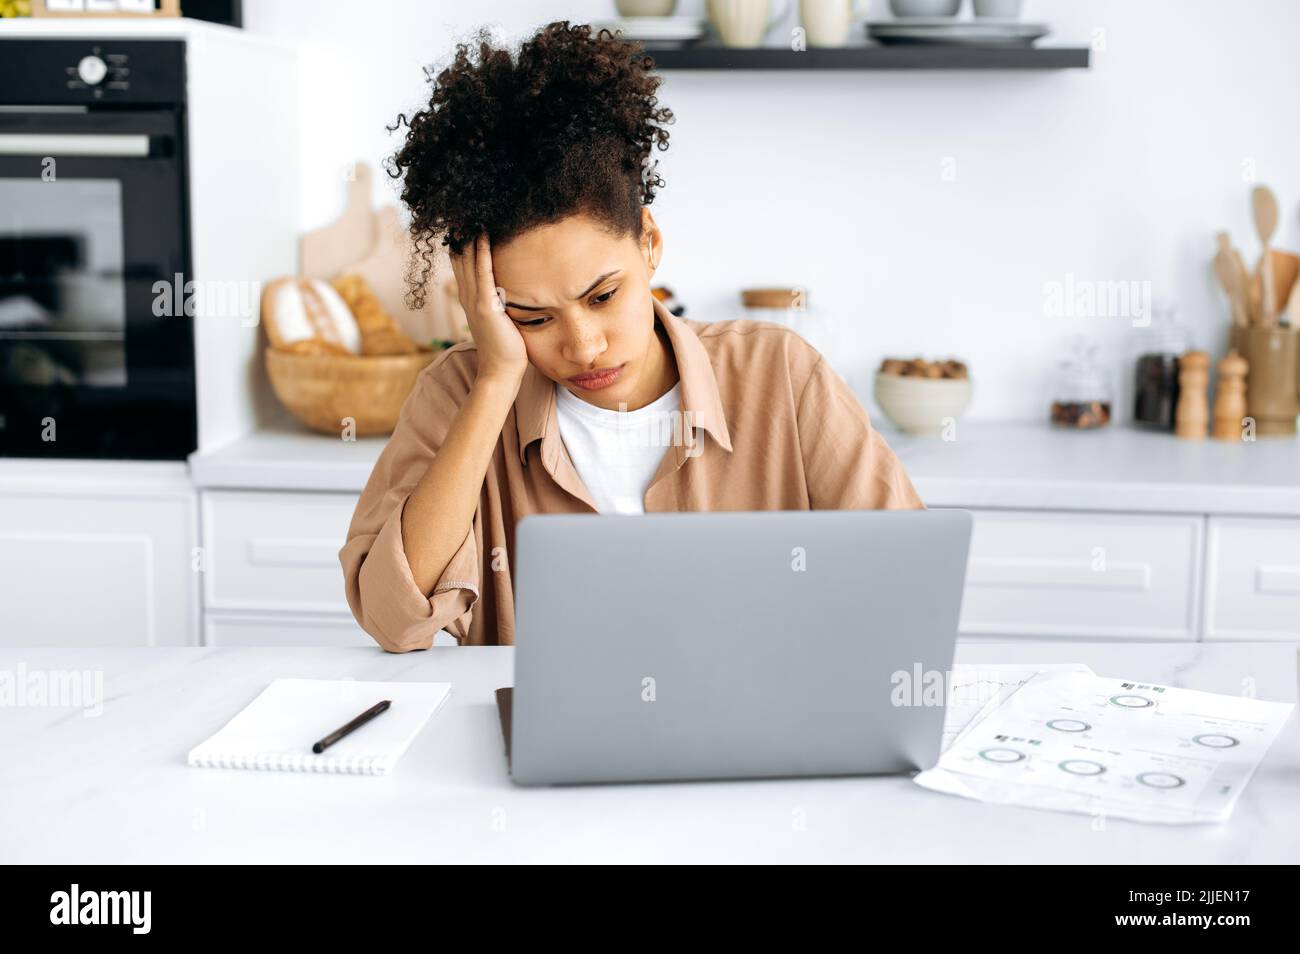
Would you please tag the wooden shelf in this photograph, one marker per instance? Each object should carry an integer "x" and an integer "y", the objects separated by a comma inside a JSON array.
[{"x": 871, "y": 57}]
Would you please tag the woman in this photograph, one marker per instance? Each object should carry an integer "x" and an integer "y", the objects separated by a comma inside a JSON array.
[{"x": 580, "y": 392}]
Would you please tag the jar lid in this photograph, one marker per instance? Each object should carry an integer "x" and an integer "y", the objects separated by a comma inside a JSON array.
[
  {"x": 774, "y": 298},
  {"x": 1080, "y": 376},
  {"x": 1165, "y": 334}
]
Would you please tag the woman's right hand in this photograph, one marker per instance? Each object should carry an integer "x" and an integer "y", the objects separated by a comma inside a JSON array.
[{"x": 501, "y": 352}]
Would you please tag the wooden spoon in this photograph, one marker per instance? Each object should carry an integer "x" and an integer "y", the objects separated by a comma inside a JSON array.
[
  {"x": 1286, "y": 269},
  {"x": 1232, "y": 276},
  {"x": 1251, "y": 287},
  {"x": 1264, "y": 205}
]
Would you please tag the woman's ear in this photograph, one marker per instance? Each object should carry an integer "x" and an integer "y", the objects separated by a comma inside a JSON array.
[{"x": 652, "y": 241}]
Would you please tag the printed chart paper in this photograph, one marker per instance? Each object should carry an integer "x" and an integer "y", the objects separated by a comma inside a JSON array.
[{"x": 1071, "y": 741}]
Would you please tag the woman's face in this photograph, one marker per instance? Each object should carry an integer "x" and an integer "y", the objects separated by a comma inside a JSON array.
[{"x": 580, "y": 298}]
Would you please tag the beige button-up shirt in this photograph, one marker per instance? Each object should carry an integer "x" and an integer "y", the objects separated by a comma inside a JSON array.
[{"x": 766, "y": 424}]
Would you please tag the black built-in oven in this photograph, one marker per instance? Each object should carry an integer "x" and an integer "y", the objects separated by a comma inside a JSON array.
[{"x": 95, "y": 359}]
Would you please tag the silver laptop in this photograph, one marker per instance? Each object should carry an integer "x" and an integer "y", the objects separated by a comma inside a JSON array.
[{"x": 680, "y": 646}]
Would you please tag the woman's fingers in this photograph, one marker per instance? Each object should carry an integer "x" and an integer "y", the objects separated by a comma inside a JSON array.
[
  {"x": 475, "y": 283},
  {"x": 467, "y": 285},
  {"x": 485, "y": 282},
  {"x": 458, "y": 269}
]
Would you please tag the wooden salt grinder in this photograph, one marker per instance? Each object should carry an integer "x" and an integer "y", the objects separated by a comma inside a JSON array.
[
  {"x": 1230, "y": 397},
  {"x": 1192, "y": 415}
]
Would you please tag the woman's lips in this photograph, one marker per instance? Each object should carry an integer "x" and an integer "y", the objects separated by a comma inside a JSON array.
[{"x": 600, "y": 378}]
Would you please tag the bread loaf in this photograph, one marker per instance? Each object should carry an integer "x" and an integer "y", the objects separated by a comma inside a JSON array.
[
  {"x": 299, "y": 310},
  {"x": 380, "y": 334}
]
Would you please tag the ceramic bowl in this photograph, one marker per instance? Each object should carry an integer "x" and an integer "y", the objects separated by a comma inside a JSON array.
[{"x": 921, "y": 405}]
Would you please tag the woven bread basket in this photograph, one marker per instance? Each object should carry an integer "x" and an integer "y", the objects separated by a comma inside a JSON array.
[{"x": 324, "y": 391}]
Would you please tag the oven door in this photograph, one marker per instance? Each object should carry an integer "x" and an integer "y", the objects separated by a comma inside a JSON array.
[{"x": 95, "y": 360}]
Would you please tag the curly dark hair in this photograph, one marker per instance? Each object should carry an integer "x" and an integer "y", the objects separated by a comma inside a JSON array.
[{"x": 509, "y": 143}]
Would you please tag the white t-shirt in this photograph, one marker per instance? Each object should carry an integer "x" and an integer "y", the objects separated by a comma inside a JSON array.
[{"x": 616, "y": 453}]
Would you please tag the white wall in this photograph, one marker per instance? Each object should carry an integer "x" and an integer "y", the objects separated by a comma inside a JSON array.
[{"x": 835, "y": 181}]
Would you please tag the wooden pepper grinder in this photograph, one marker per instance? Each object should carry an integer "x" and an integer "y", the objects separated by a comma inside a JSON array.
[
  {"x": 1192, "y": 414},
  {"x": 1230, "y": 397}
]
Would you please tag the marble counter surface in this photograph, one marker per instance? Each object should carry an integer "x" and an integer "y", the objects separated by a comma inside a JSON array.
[
  {"x": 998, "y": 465},
  {"x": 114, "y": 787},
  {"x": 1116, "y": 468}
]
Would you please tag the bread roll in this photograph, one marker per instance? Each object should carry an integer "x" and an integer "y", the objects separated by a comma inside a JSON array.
[
  {"x": 307, "y": 309},
  {"x": 380, "y": 334}
]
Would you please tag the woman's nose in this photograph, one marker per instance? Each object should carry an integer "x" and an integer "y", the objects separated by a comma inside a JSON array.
[{"x": 584, "y": 346}]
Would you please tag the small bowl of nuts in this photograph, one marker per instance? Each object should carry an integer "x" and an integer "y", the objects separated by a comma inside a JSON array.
[{"x": 920, "y": 396}]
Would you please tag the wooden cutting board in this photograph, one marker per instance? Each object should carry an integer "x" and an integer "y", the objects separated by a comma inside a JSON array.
[
  {"x": 349, "y": 238},
  {"x": 376, "y": 246},
  {"x": 384, "y": 269}
]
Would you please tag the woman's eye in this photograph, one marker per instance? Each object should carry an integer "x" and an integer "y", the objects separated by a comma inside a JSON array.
[
  {"x": 533, "y": 323},
  {"x": 601, "y": 299}
]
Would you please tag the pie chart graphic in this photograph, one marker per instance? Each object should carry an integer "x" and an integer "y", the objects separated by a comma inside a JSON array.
[
  {"x": 1003, "y": 756},
  {"x": 1215, "y": 740},
  {"x": 1068, "y": 725},
  {"x": 1161, "y": 780},
  {"x": 1131, "y": 701},
  {"x": 1081, "y": 767}
]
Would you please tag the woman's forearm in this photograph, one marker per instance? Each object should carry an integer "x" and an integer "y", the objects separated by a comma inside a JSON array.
[{"x": 440, "y": 511}]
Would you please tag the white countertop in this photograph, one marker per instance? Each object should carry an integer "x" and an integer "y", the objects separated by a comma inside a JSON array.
[
  {"x": 999, "y": 465},
  {"x": 1119, "y": 467},
  {"x": 115, "y": 788},
  {"x": 288, "y": 457}
]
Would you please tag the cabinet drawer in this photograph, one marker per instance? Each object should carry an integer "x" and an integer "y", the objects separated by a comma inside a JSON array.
[
  {"x": 246, "y": 629},
  {"x": 98, "y": 569},
  {"x": 1102, "y": 576},
  {"x": 1253, "y": 578},
  {"x": 275, "y": 551},
  {"x": 257, "y": 629}
]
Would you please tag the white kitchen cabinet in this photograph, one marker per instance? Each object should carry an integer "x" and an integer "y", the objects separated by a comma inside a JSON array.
[
  {"x": 272, "y": 575},
  {"x": 1083, "y": 575},
  {"x": 256, "y": 629},
  {"x": 275, "y": 552},
  {"x": 112, "y": 557},
  {"x": 1094, "y": 536},
  {"x": 97, "y": 554},
  {"x": 1253, "y": 578}
]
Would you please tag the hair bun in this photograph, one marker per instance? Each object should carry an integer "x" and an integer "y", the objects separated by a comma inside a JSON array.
[{"x": 508, "y": 142}]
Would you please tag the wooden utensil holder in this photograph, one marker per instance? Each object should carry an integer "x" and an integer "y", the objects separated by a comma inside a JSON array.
[{"x": 1273, "y": 381}]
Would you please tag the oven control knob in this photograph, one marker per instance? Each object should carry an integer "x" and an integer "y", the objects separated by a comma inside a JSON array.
[{"x": 92, "y": 70}]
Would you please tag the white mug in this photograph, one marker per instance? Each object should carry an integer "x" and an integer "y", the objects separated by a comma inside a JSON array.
[
  {"x": 744, "y": 22},
  {"x": 645, "y": 8},
  {"x": 827, "y": 22},
  {"x": 1007, "y": 9}
]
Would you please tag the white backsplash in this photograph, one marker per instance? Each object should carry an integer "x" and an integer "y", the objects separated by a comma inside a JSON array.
[{"x": 926, "y": 212}]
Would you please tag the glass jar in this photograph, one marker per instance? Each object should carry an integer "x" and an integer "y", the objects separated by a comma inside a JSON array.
[
  {"x": 779, "y": 305},
  {"x": 789, "y": 307},
  {"x": 1156, "y": 372},
  {"x": 1082, "y": 393}
]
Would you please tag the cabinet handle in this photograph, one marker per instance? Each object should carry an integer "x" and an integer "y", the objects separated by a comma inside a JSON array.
[
  {"x": 1278, "y": 580},
  {"x": 264, "y": 551},
  {"x": 1058, "y": 574}
]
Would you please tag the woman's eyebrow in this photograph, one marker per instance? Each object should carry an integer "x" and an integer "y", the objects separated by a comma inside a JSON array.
[{"x": 511, "y": 304}]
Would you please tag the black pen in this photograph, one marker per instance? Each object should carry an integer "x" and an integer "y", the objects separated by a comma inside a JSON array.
[{"x": 355, "y": 724}]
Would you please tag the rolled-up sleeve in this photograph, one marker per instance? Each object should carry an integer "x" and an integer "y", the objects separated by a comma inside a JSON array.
[
  {"x": 380, "y": 588},
  {"x": 847, "y": 463}
]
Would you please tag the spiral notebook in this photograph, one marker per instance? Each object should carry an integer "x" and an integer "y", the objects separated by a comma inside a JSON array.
[{"x": 277, "y": 729}]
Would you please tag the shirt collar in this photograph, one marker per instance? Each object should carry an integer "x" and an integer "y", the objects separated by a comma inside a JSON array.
[{"x": 701, "y": 404}]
